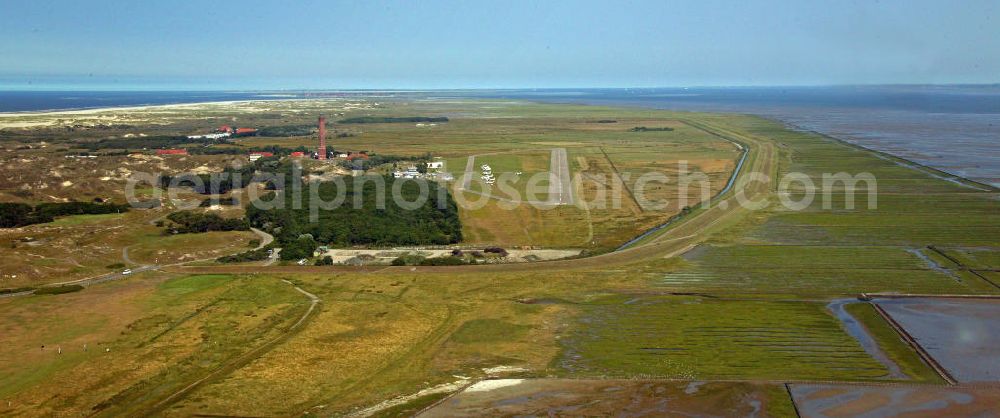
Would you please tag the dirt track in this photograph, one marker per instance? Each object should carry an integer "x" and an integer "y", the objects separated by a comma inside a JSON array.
[{"x": 240, "y": 360}]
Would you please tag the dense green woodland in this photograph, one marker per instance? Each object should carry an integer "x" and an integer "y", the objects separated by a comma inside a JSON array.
[
  {"x": 252, "y": 255},
  {"x": 13, "y": 215},
  {"x": 287, "y": 130},
  {"x": 435, "y": 221},
  {"x": 187, "y": 222},
  {"x": 375, "y": 160}
]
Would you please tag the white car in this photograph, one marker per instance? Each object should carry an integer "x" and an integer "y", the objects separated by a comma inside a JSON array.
[{"x": 126, "y": 272}]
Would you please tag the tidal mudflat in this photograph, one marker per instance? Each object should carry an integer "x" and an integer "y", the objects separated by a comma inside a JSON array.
[
  {"x": 961, "y": 334},
  {"x": 893, "y": 401}
]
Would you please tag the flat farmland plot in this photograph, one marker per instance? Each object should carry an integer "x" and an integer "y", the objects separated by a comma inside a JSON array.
[
  {"x": 812, "y": 270},
  {"x": 698, "y": 338}
]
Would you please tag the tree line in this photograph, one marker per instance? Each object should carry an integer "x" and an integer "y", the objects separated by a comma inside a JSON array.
[
  {"x": 645, "y": 129},
  {"x": 14, "y": 215},
  {"x": 146, "y": 142},
  {"x": 191, "y": 222},
  {"x": 386, "y": 119},
  {"x": 434, "y": 222},
  {"x": 287, "y": 130},
  {"x": 375, "y": 160}
]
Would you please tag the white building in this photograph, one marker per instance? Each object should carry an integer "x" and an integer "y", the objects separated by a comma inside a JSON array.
[
  {"x": 254, "y": 156},
  {"x": 210, "y": 136},
  {"x": 435, "y": 164}
]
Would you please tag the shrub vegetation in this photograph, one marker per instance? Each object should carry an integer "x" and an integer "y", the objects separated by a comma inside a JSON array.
[
  {"x": 435, "y": 221},
  {"x": 186, "y": 222},
  {"x": 645, "y": 129},
  {"x": 14, "y": 215},
  {"x": 58, "y": 290},
  {"x": 382, "y": 119}
]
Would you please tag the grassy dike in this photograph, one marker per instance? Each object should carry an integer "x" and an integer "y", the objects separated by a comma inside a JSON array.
[
  {"x": 745, "y": 302},
  {"x": 890, "y": 343}
]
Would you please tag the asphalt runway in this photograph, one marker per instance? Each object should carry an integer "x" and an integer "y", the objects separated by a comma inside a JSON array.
[{"x": 561, "y": 184}]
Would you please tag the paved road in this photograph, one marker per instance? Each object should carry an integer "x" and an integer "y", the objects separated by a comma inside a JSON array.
[
  {"x": 669, "y": 242},
  {"x": 265, "y": 238},
  {"x": 560, "y": 182},
  {"x": 470, "y": 166},
  {"x": 275, "y": 256},
  {"x": 105, "y": 277},
  {"x": 10, "y": 295},
  {"x": 87, "y": 281}
]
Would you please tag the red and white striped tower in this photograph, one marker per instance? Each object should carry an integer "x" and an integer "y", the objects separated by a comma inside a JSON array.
[{"x": 321, "y": 151}]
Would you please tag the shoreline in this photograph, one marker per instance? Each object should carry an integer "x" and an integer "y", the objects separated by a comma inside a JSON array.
[
  {"x": 935, "y": 172},
  {"x": 930, "y": 170},
  {"x": 897, "y": 159},
  {"x": 132, "y": 108}
]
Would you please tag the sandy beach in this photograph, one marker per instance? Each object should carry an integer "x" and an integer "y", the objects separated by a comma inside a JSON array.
[{"x": 30, "y": 119}]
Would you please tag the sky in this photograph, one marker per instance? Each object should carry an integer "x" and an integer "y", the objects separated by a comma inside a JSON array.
[{"x": 430, "y": 44}]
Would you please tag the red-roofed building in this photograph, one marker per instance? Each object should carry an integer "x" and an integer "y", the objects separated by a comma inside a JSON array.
[
  {"x": 254, "y": 156},
  {"x": 225, "y": 128},
  {"x": 171, "y": 152},
  {"x": 245, "y": 131},
  {"x": 297, "y": 154}
]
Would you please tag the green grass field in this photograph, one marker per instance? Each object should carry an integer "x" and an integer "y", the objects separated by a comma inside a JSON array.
[
  {"x": 84, "y": 219},
  {"x": 133, "y": 335},
  {"x": 701, "y": 338},
  {"x": 746, "y": 303},
  {"x": 987, "y": 258},
  {"x": 828, "y": 248},
  {"x": 891, "y": 344},
  {"x": 814, "y": 270},
  {"x": 505, "y": 168}
]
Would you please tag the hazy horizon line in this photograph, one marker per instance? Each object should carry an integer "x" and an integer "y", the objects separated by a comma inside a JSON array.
[{"x": 191, "y": 88}]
